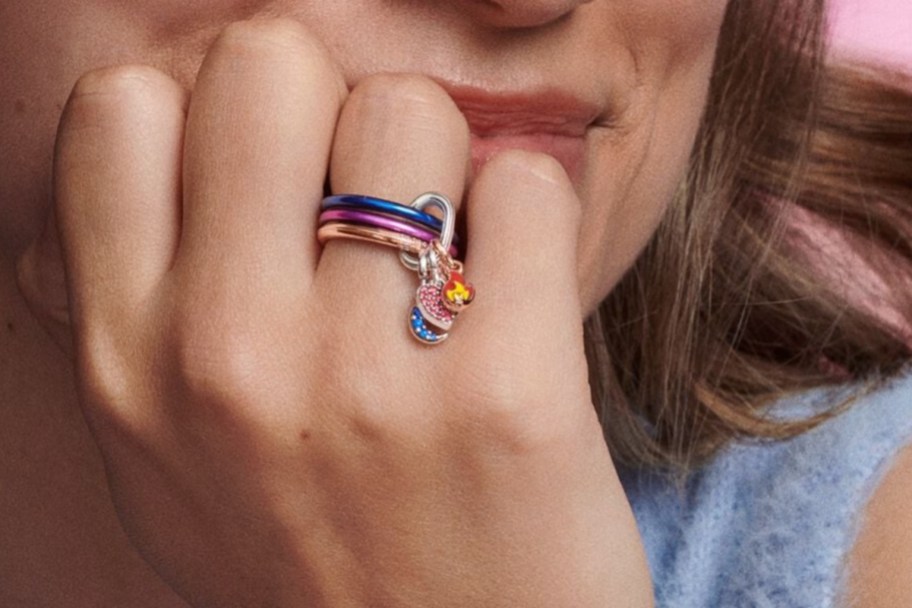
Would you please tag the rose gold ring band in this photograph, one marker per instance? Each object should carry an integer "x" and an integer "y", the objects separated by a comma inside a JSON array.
[{"x": 370, "y": 234}]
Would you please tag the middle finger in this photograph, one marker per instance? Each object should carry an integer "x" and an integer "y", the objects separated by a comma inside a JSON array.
[{"x": 259, "y": 134}]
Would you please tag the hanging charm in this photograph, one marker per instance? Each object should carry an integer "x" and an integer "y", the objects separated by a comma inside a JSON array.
[
  {"x": 443, "y": 291},
  {"x": 442, "y": 294}
]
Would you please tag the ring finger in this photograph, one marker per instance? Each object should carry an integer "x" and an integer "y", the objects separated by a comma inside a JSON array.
[{"x": 398, "y": 136}]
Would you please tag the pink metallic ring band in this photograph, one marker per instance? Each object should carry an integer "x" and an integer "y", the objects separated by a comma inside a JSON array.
[
  {"x": 367, "y": 218},
  {"x": 372, "y": 234},
  {"x": 443, "y": 293}
]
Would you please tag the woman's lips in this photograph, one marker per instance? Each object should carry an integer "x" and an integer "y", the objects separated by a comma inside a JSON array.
[{"x": 553, "y": 122}]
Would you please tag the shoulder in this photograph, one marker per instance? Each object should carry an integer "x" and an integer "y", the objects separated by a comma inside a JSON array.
[
  {"x": 772, "y": 523},
  {"x": 880, "y": 562}
]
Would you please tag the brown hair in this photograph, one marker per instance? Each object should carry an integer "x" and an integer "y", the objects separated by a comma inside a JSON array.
[{"x": 739, "y": 299}]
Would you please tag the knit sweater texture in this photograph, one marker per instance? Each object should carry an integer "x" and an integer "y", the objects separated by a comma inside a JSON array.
[{"x": 770, "y": 524}]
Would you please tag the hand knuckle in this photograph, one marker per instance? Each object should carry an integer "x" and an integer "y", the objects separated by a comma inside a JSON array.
[
  {"x": 509, "y": 416},
  {"x": 116, "y": 86},
  {"x": 360, "y": 400},
  {"x": 276, "y": 38},
  {"x": 522, "y": 429},
  {"x": 112, "y": 101},
  {"x": 410, "y": 97},
  {"x": 217, "y": 367},
  {"x": 282, "y": 50},
  {"x": 102, "y": 383},
  {"x": 104, "y": 374}
]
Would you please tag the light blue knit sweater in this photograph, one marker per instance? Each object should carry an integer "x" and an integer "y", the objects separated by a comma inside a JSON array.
[{"x": 769, "y": 524}]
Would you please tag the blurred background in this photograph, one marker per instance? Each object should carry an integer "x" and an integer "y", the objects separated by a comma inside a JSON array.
[{"x": 879, "y": 29}]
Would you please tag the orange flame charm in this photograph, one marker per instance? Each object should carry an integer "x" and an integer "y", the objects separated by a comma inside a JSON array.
[{"x": 457, "y": 293}]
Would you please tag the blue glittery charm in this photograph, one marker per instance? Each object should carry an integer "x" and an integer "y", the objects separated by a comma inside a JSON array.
[{"x": 421, "y": 331}]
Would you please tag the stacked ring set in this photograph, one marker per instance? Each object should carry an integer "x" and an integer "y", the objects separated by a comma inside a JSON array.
[{"x": 427, "y": 245}]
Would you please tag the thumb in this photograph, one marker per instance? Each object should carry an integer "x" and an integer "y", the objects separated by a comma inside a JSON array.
[{"x": 42, "y": 282}]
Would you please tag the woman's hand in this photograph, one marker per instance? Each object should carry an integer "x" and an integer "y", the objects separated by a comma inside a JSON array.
[{"x": 272, "y": 434}]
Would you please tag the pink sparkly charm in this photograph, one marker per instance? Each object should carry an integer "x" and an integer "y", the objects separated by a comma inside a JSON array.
[
  {"x": 430, "y": 302},
  {"x": 442, "y": 292}
]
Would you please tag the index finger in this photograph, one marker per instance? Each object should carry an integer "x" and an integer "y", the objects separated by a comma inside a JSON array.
[{"x": 117, "y": 187}]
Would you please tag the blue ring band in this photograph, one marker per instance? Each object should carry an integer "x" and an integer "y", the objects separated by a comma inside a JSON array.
[{"x": 383, "y": 206}]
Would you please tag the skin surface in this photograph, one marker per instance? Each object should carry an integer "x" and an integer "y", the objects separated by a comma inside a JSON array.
[
  {"x": 238, "y": 438},
  {"x": 64, "y": 542},
  {"x": 881, "y": 558}
]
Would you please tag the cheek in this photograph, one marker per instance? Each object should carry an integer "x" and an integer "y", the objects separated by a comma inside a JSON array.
[
  {"x": 45, "y": 45},
  {"x": 640, "y": 162}
]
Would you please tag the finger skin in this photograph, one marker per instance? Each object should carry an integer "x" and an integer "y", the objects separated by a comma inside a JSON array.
[
  {"x": 399, "y": 136},
  {"x": 117, "y": 188},
  {"x": 523, "y": 380},
  {"x": 521, "y": 341},
  {"x": 523, "y": 231},
  {"x": 259, "y": 133},
  {"x": 281, "y": 468}
]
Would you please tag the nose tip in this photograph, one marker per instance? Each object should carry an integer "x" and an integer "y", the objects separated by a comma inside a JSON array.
[{"x": 527, "y": 13}]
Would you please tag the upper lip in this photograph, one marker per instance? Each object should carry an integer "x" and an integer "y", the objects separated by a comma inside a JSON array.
[{"x": 543, "y": 112}]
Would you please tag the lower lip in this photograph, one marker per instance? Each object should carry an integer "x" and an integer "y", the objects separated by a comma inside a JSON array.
[{"x": 569, "y": 151}]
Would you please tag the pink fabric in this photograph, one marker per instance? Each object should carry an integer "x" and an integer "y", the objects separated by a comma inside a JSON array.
[
  {"x": 873, "y": 29},
  {"x": 879, "y": 30}
]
